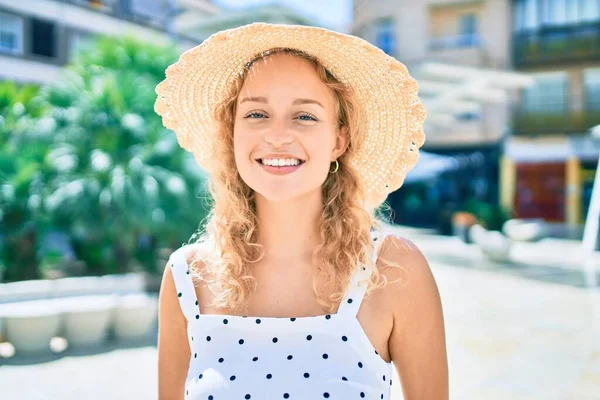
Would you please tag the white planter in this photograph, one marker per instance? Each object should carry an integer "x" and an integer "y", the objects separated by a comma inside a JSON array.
[
  {"x": 27, "y": 291},
  {"x": 83, "y": 310},
  {"x": 86, "y": 320},
  {"x": 496, "y": 246},
  {"x": 525, "y": 230},
  {"x": 493, "y": 244},
  {"x": 30, "y": 325},
  {"x": 478, "y": 234},
  {"x": 135, "y": 316}
]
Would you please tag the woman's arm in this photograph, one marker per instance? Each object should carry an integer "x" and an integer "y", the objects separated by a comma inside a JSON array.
[
  {"x": 173, "y": 347},
  {"x": 417, "y": 343}
]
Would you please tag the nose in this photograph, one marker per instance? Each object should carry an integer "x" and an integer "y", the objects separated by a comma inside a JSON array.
[{"x": 278, "y": 134}]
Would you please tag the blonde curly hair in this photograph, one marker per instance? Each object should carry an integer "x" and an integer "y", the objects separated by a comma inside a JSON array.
[{"x": 230, "y": 232}]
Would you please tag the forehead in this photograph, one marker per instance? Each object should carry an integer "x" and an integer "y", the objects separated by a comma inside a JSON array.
[{"x": 285, "y": 76}]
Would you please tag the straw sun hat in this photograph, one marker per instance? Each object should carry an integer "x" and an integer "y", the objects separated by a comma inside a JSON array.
[{"x": 386, "y": 94}]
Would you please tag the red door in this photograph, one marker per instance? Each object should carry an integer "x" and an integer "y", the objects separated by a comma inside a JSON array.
[{"x": 541, "y": 191}]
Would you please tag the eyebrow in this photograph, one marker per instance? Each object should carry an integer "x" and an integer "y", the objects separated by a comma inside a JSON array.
[{"x": 296, "y": 102}]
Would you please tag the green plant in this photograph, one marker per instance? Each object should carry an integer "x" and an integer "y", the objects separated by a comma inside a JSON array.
[
  {"x": 122, "y": 174},
  {"x": 25, "y": 138},
  {"x": 50, "y": 263},
  {"x": 490, "y": 216},
  {"x": 89, "y": 156}
]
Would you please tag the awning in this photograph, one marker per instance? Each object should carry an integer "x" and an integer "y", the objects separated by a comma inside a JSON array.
[{"x": 430, "y": 166}]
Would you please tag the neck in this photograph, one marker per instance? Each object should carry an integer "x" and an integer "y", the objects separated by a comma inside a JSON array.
[{"x": 288, "y": 230}]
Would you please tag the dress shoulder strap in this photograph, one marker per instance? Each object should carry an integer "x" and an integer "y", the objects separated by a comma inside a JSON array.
[
  {"x": 359, "y": 282},
  {"x": 186, "y": 292}
]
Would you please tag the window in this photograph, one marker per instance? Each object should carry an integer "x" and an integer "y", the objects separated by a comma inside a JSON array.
[
  {"x": 468, "y": 24},
  {"x": 533, "y": 14},
  {"x": 123, "y": 7},
  {"x": 468, "y": 30},
  {"x": 573, "y": 12},
  {"x": 525, "y": 15},
  {"x": 589, "y": 10},
  {"x": 11, "y": 34},
  {"x": 385, "y": 36},
  {"x": 452, "y": 28},
  {"x": 549, "y": 94},
  {"x": 591, "y": 81},
  {"x": 43, "y": 38},
  {"x": 153, "y": 12},
  {"x": 154, "y": 9},
  {"x": 554, "y": 12}
]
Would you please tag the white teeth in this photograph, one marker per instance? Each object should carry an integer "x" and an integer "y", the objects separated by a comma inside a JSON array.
[{"x": 279, "y": 162}]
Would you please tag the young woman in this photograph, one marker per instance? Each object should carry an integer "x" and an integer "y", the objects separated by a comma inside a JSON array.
[{"x": 292, "y": 290}]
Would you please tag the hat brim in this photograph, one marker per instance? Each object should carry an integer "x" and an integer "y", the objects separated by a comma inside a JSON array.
[{"x": 388, "y": 96}]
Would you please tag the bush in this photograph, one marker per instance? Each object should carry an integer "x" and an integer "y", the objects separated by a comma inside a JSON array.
[
  {"x": 90, "y": 157},
  {"x": 490, "y": 216}
]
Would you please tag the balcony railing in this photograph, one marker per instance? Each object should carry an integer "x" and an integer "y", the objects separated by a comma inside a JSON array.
[
  {"x": 542, "y": 122},
  {"x": 454, "y": 41},
  {"x": 556, "y": 45},
  {"x": 118, "y": 9}
]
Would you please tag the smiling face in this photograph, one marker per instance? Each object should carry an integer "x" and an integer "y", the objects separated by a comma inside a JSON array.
[{"x": 285, "y": 111}]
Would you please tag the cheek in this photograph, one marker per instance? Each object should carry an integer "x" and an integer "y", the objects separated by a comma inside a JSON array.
[
  {"x": 242, "y": 146},
  {"x": 319, "y": 148}
]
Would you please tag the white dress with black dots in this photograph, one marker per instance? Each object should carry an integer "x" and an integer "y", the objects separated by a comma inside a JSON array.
[{"x": 320, "y": 357}]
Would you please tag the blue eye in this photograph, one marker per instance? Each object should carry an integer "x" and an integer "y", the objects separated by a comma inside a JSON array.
[
  {"x": 310, "y": 117},
  {"x": 260, "y": 115},
  {"x": 254, "y": 113}
]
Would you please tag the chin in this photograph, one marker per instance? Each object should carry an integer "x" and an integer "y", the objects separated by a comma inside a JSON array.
[
  {"x": 279, "y": 196},
  {"x": 282, "y": 195}
]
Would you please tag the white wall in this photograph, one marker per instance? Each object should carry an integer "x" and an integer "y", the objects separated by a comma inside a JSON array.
[{"x": 18, "y": 69}]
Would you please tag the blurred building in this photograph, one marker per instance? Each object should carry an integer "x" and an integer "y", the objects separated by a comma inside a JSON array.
[
  {"x": 551, "y": 157},
  {"x": 462, "y": 33},
  {"x": 466, "y": 33},
  {"x": 535, "y": 149},
  {"x": 203, "y": 27},
  {"x": 37, "y": 37}
]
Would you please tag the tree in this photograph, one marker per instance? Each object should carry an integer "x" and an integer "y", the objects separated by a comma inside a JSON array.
[
  {"x": 114, "y": 177},
  {"x": 123, "y": 181},
  {"x": 25, "y": 137}
]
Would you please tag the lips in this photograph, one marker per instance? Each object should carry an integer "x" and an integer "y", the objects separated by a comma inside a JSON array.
[{"x": 282, "y": 170}]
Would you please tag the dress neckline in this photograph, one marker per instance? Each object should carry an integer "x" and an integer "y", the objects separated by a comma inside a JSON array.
[{"x": 348, "y": 307}]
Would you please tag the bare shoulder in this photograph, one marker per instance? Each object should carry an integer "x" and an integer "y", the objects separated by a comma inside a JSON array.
[
  {"x": 411, "y": 283},
  {"x": 417, "y": 342},
  {"x": 173, "y": 357},
  {"x": 194, "y": 252},
  {"x": 401, "y": 260}
]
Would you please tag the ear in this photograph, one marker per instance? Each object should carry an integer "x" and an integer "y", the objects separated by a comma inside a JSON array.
[{"x": 341, "y": 143}]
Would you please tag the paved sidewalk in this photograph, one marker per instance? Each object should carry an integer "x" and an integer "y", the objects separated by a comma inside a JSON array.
[
  {"x": 514, "y": 338},
  {"x": 510, "y": 337},
  {"x": 549, "y": 260}
]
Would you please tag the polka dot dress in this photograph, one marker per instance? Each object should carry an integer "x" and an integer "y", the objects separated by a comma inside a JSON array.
[{"x": 320, "y": 357}]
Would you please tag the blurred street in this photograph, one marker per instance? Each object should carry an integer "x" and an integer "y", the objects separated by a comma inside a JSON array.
[{"x": 510, "y": 336}]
